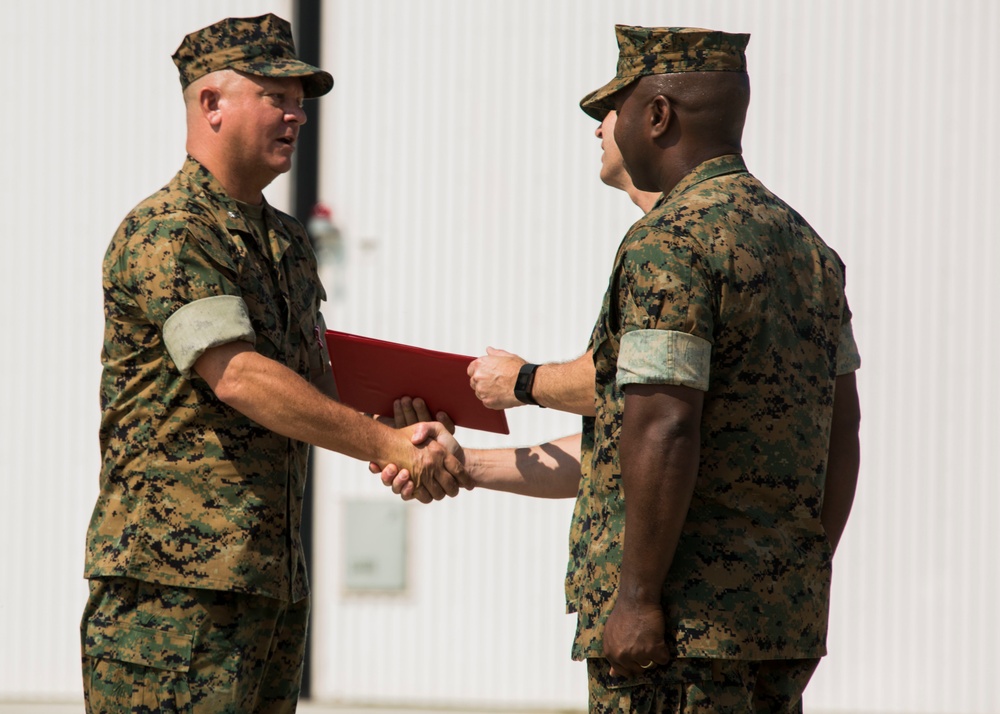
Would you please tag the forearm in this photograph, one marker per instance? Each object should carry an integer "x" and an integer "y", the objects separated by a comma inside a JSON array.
[
  {"x": 567, "y": 386},
  {"x": 659, "y": 453},
  {"x": 326, "y": 384},
  {"x": 843, "y": 461},
  {"x": 838, "y": 498},
  {"x": 550, "y": 470},
  {"x": 277, "y": 398}
]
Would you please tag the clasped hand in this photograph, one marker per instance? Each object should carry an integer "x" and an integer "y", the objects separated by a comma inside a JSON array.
[{"x": 438, "y": 468}]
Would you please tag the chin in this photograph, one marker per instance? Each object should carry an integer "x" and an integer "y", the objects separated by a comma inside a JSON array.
[{"x": 612, "y": 177}]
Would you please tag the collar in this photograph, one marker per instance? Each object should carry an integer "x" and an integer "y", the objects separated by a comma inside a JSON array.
[
  {"x": 718, "y": 166},
  {"x": 232, "y": 213}
]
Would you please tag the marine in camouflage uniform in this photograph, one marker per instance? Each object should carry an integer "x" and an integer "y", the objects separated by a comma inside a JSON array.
[
  {"x": 723, "y": 289},
  {"x": 199, "y": 596}
]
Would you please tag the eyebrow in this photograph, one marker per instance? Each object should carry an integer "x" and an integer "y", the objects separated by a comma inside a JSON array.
[
  {"x": 280, "y": 88},
  {"x": 267, "y": 91}
]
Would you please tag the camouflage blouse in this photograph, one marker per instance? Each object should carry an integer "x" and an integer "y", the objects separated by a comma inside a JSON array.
[
  {"x": 193, "y": 493},
  {"x": 724, "y": 288}
]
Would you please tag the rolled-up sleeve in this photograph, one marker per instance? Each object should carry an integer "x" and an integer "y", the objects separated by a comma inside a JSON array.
[
  {"x": 203, "y": 324},
  {"x": 665, "y": 301},
  {"x": 848, "y": 356},
  {"x": 664, "y": 357}
]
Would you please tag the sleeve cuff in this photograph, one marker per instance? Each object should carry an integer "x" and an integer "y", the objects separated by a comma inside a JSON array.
[
  {"x": 664, "y": 357},
  {"x": 848, "y": 357},
  {"x": 200, "y": 325}
]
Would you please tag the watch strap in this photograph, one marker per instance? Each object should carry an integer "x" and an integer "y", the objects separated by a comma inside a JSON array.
[{"x": 523, "y": 384}]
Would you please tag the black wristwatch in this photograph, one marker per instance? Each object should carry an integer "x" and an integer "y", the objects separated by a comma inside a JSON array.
[{"x": 523, "y": 384}]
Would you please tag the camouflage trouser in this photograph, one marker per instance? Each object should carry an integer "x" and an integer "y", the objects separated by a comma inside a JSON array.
[
  {"x": 152, "y": 648},
  {"x": 703, "y": 686}
]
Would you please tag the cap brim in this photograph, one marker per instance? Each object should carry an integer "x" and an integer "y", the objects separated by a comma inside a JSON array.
[
  {"x": 315, "y": 82},
  {"x": 598, "y": 103}
]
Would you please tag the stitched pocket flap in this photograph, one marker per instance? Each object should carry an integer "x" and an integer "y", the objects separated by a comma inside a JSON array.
[{"x": 139, "y": 645}]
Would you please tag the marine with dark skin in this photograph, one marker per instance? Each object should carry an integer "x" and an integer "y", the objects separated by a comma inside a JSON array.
[
  {"x": 667, "y": 125},
  {"x": 718, "y": 465}
]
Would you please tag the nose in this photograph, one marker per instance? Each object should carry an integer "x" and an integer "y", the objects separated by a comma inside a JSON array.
[
  {"x": 296, "y": 114},
  {"x": 599, "y": 131}
]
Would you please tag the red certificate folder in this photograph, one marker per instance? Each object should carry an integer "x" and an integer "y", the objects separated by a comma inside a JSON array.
[{"x": 371, "y": 374}]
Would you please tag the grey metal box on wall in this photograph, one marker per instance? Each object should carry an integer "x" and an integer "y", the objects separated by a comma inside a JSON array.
[{"x": 374, "y": 546}]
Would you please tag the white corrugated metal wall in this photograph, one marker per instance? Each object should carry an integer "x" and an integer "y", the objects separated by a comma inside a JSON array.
[
  {"x": 92, "y": 122},
  {"x": 464, "y": 180}
]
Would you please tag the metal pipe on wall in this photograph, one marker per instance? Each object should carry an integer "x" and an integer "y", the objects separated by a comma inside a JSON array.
[{"x": 305, "y": 190}]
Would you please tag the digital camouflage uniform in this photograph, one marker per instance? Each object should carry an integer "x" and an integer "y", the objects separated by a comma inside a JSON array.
[
  {"x": 702, "y": 686},
  {"x": 157, "y": 648},
  {"x": 199, "y": 594},
  {"x": 721, "y": 287}
]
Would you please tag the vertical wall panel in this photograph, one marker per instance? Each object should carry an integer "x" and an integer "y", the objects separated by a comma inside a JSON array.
[
  {"x": 443, "y": 193},
  {"x": 92, "y": 123},
  {"x": 464, "y": 179}
]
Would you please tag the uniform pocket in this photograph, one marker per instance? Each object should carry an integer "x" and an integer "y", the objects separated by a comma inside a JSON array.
[
  {"x": 132, "y": 668},
  {"x": 141, "y": 646}
]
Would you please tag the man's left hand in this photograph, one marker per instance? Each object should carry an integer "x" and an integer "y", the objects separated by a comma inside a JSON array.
[{"x": 634, "y": 638}]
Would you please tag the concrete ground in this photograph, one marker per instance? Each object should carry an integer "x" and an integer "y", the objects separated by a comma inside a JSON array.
[{"x": 304, "y": 708}]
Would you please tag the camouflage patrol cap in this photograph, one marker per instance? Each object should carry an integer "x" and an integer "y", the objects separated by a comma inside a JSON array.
[
  {"x": 666, "y": 50},
  {"x": 261, "y": 46}
]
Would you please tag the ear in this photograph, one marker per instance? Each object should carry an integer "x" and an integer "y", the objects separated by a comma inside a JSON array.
[
  {"x": 210, "y": 103},
  {"x": 660, "y": 115}
]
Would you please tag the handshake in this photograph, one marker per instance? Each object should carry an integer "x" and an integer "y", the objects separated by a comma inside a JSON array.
[
  {"x": 427, "y": 463},
  {"x": 438, "y": 467},
  {"x": 441, "y": 467}
]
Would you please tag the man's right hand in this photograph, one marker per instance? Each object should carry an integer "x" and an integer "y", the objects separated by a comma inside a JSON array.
[
  {"x": 407, "y": 411},
  {"x": 425, "y": 490},
  {"x": 492, "y": 378}
]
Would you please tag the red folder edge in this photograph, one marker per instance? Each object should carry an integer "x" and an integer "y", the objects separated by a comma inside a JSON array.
[{"x": 371, "y": 374}]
